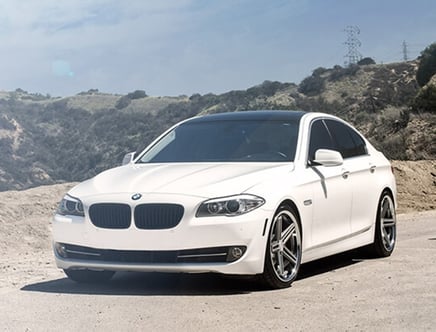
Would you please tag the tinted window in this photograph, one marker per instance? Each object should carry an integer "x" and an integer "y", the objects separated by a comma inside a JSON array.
[
  {"x": 222, "y": 141},
  {"x": 319, "y": 139},
  {"x": 359, "y": 142},
  {"x": 349, "y": 143}
]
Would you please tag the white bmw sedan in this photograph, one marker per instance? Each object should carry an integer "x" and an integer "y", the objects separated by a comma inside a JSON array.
[{"x": 248, "y": 193}]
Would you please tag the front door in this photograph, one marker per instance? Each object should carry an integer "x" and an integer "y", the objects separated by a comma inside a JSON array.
[{"x": 331, "y": 192}]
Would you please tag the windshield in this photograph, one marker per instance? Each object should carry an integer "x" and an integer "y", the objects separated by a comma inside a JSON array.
[{"x": 226, "y": 141}]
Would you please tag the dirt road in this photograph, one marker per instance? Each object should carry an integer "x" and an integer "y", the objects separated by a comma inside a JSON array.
[{"x": 345, "y": 292}]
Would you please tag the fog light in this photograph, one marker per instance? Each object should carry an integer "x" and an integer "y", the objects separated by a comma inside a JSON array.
[
  {"x": 61, "y": 250},
  {"x": 235, "y": 253}
]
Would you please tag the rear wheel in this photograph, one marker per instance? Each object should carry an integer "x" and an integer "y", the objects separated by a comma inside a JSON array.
[
  {"x": 385, "y": 227},
  {"x": 89, "y": 276},
  {"x": 283, "y": 252}
]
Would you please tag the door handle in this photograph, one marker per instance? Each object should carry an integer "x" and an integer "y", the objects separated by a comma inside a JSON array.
[
  {"x": 345, "y": 174},
  {"x": 372, "y": 169}
]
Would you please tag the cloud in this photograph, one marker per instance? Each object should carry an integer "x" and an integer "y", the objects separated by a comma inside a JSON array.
[
  {"x": 170, "y": 47},
  {"x": 182, "y": 46},
  {"x": 98, "y": 36}
]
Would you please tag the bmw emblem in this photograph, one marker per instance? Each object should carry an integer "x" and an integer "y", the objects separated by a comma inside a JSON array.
[{"x": 136, "y": 196}]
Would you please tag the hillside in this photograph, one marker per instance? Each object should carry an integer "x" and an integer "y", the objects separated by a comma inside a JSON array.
[{"x": 45, "y": 140}]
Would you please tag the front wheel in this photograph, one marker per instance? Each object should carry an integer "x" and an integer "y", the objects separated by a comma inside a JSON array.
[
  {"x": 89, "y": 276},
  {"x": 385, "y": 227},
  {"x": 283, "y": 252}
]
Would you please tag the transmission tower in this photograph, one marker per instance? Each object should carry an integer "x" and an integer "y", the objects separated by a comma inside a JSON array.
[
  {"x": 405, "y": 51},
  {"x": 353, "y": 44}
]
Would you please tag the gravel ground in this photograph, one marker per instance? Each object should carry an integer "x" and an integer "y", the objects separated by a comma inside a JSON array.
[{"x": 341, "y": 293}]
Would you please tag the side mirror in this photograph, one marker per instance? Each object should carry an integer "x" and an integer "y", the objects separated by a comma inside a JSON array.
[
  {"x": 328, "y": 158},
  {"x": 128, "y": 158}
]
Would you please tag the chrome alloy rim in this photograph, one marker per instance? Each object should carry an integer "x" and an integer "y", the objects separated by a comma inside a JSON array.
[
  {"x": 388, "y": 222},
  {"x": 285, "y": 246}
]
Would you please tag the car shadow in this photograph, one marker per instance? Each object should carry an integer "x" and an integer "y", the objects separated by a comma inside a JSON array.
[
  {"x": 173, "y": 284},
  {"x": 332, "y": 263},
  {"x": 136, "y": 283}
]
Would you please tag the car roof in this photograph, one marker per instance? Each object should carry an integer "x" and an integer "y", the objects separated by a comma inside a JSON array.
[{"x": 251, "y": 115}]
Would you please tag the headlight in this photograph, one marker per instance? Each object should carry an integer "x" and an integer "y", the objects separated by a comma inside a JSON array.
[
  {"x": 70, "y": 206},
  {"x": 229, "y": 206}
]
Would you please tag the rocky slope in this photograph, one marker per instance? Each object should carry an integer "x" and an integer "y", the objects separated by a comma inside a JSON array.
[{"x": 46, "y": 140}]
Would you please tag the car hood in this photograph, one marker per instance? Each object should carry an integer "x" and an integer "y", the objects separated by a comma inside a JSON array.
[{"x": 198, "y": 179}]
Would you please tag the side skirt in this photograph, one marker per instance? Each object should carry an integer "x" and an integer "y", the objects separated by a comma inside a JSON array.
[{"x": 352, "y": 241}]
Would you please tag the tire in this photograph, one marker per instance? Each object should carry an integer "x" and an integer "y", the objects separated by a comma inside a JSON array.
[
  {"x": 89, "y": 276},
  {"x": 385, "y": 227},
  {"x": 283, "y": 250}
]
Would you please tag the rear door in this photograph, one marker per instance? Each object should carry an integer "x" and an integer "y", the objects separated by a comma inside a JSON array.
[{"x": 360, "y": 174}]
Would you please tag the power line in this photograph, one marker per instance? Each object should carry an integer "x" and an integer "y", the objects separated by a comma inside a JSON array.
[{"x": 353, "y": 44}]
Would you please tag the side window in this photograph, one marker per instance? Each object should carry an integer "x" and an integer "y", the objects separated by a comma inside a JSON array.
[
  {"x": 319, "y": 139},
  {"x": 359, "y": 142},
  {"x": 350, "y": 144}
]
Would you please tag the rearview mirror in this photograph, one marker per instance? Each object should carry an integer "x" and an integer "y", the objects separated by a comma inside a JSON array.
[
  {"x": 328, "y": 158},
  {"x": 128, "y": 158}
]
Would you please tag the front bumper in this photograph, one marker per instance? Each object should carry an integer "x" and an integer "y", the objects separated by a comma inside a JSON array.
[{"x": 194, "y": 245}]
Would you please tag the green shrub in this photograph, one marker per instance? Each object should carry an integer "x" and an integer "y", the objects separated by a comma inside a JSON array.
[
  {"x": 123, "y": 102},
  {"x": 427, "y": 65},
  {"x": 338, "y": 72},
  {"x": 366, "y": 61},
  {"x": 394, "y": 147},
  {"x": 425, "y": 100},
  {"x": 319, "y": 71},
  {"x": 137, "y": 94},
  {"x": 6, "y": 124},
  {"x": 311, "y": 85}
]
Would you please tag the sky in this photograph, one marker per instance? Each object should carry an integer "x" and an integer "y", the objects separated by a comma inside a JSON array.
[{"x": 182, "y": 47}]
